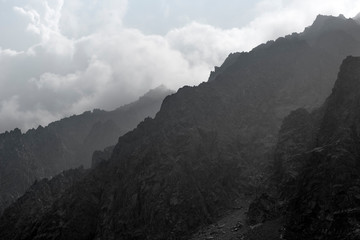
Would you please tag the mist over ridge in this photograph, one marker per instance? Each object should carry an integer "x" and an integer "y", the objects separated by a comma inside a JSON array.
[
  {"x": 214, "y": 143},
  {"x": 61, "y": 57}
]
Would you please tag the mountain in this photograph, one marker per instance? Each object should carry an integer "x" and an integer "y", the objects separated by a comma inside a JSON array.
[
  {"x": 296, "y": 137},
  {"x": 36, "y": 201},
  {"x": 325, "y": 203},
  {"x": 357, "y": 18},
  {"x": 65, "y": 144},
  {"x": 206, "y": 146}
]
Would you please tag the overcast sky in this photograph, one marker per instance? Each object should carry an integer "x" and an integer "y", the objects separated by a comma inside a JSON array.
[{"x": 60, "y": 57}]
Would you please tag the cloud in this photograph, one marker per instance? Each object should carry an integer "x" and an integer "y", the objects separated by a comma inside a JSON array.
[
  {"x": 275, "y": 18},
  {"x": 84, "y": 57},
  {"x": 12, "y": 115}
]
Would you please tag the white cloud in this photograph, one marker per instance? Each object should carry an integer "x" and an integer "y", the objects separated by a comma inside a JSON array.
[
  {"x": 86, "y": 58},
  {"x": 81, "y": 18},
  {"x": 9, "y": 52},
  {"x": 12, "y": 115}
]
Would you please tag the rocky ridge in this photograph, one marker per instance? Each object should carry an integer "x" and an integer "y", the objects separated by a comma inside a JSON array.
[
  {"x": 67, "y": 143},
  {"x": 326, "y": 200},
  {"x": 207, "y": 145}
]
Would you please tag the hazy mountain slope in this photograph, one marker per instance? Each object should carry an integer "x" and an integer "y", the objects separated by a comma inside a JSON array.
[
  {"x": 326, "y": 204},
  {"x": 316, "y": 171},
  {"x": 65, "y": 144},
  {"x": 357, "y": 18},
  {"x": 206, "y": 145},
  {"x": 296, "y": 138}
]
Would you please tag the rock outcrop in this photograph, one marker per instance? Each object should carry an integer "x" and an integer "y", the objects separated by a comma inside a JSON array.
[
  {"x": 36, "y": 202},
  {"x": 327, "y": 204}
]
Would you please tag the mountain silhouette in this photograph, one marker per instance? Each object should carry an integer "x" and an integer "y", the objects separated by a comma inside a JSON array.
[
  {"x": 67, "y": 143},
  {"x": 206, "y": 146},
  {"x": 324, "y": 203}
]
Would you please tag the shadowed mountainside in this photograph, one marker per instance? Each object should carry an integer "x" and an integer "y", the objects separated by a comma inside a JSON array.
[
  {"x": 65, "y": 144},
  {"x": 206, "y": 145},
  {"x": 325, "y": 203}
]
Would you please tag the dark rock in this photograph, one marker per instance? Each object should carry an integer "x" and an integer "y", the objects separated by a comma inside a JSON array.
[
  {"x": 263, "y": 208},
  {"x": 101, "y": 156},
  {"x": 297, "y": 137},
  {"x": 326, "y": 202},
  {"x": 65, "y": 144},
  {"x": 19, "y": 220}
]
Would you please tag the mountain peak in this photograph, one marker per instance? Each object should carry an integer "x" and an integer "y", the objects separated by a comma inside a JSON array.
[
  {"x": 348, "y": 82},
  {"x": 334, "y": 30},
  {"x": 342, "y": 16},
  {"x": 325, "y": 22},
  {"x": 342, "y": 104},
  {"x": 155, "y": 92},
  {"x": 357, "y": 18},
  {"x": 321, "y": 17}
]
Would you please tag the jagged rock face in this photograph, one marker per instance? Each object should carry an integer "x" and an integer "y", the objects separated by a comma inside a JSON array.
[
  {"x": 327, "y": 202},
  {"x": 23, "y": 158},
  {"x": 263, "y": 208},
  {"x": 65, "y": 144},
  {"x": 297, "y": 137},
  {"x": 35, "y": 202},
  {"x": 206, "y": 145},
  {"x": 100, "y": 156}
]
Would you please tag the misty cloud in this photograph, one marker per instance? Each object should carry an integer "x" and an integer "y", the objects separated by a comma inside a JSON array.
[{"x": 81, "y": 56}]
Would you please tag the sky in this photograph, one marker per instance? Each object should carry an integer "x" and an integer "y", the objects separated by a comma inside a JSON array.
[{"x": 63, "y": 57}]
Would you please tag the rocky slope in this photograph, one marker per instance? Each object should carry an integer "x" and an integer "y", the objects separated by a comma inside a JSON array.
[
  {"x": 296, "y": 138},
  {"x": 206, "y": 145},
  {"x": 316, "y": 172},
  {"x": 35, "y": 202},
  {"x": 316, "y": 165},
  {"x": 326, "y": 202},
  {"x": 65, "y": 144}
]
